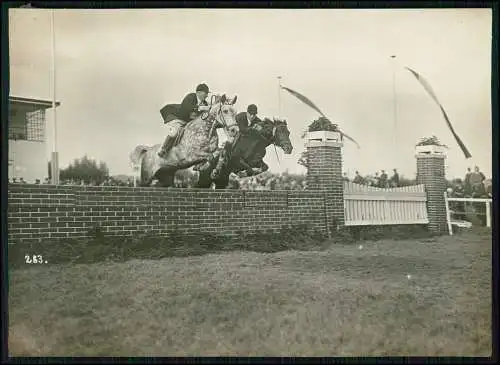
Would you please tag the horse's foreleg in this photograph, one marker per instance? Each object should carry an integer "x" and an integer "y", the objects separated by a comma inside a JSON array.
[
  {"x": 223, "y": 160},
  {"x": 223, "y": 180},
  {"x": 204, "y": 180},
  {"x": 257, "y": 166},
  {"x": 246, "y": 166},
  {"x": 205, "y": 160},
  {"x": 262, "y": 167}
]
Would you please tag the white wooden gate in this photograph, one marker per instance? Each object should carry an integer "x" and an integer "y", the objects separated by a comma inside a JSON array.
[
  {"x": 462, "y": 223},
  {"x": 367, "y": 205}
]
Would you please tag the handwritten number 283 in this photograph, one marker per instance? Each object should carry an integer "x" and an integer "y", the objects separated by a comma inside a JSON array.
[{"x": 35, "y": 259}]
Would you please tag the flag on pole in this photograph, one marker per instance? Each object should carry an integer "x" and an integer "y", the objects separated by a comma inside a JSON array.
[
  {"x": 429, "y": 90},
  {"x": 309, "y": 103},
  {"x": 303, "y": 99}
]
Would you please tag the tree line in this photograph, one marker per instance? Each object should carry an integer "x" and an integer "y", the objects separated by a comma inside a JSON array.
[{"x": 83, "y": 169}]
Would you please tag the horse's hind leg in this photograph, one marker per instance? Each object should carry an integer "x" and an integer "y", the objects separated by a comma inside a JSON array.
[
  {"x": 222, "y": 181},
  {"x": 204, "y": 175},
  {"x": 204, "y": 180},
  {"x": 166, "y": 178},
  {"x": 145, "y": 178},
  {"x": 222, "y": 161},
  {"x": 145, "y": 183}
]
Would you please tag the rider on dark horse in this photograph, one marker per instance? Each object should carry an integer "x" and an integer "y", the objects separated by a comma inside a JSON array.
[
  {"x": 248, "y": 119},
  {"x": 177, "y": 116},
  {"x": 252, "y": 145}
]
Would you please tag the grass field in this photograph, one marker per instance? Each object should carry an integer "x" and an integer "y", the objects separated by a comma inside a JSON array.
[{"x": 341, "y": 300}]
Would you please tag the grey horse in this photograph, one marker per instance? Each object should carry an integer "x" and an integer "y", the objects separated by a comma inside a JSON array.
[{"x": 197, "y": 145}]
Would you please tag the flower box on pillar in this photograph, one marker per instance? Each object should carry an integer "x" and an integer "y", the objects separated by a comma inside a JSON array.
[
  {"x": 430, "y": 150},
  {"x": 324, "y": 138}
]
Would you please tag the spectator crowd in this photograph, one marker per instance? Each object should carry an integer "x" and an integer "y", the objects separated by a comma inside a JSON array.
[
  {"x": 110, "y": 181},
  {"x": 473, "y": 185},
  {"x": 377, "y": 180}
]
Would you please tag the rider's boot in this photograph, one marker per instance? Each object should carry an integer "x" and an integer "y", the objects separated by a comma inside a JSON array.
[{"x": 169, "y": 141}]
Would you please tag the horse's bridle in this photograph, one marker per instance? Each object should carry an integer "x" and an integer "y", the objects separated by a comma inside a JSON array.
[
  {"x": 271, "y": 140},
  {"x": 206, "y": 116}
]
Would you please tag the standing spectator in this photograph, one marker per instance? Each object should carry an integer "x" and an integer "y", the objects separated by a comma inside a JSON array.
[
  {"x": 358, "y": 179},
  {"x": 467, "y": 182},
  {"x": 383, "y": 180},
  {"x": 272, "y": 185},
  {"x": 395, "y": 179},
  {"x": 488, "y": 188},
  {"x": 458, "y": 207},
  {"x": 476, "y": 182},
  {"x": 346, "y": 178}
]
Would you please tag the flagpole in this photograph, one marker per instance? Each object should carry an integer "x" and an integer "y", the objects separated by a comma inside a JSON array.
[
  {"x": 395, "y": 112},
  {"x": 55, "y": 157},
  {"x": 279, "y": 96}
]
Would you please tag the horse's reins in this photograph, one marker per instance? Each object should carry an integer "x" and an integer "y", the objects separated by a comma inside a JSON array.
[
  {"x": 208, "y": 117},
  {"x": 271, "y": 140}
]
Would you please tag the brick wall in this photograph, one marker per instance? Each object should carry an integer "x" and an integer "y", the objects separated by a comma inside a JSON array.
[
  {"x": 431, "y": 172},
  {"x": 41, "y": 212}
]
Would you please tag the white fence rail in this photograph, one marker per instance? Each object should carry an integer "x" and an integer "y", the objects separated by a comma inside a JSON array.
[
  {"x": 461, "y": 223},
  {"x": 367, "y": 205}
]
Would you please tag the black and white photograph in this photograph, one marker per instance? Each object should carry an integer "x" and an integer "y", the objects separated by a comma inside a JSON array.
[{"x": 249, "y": 182}]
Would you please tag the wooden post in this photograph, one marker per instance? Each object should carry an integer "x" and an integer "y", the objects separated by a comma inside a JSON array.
[
  {"x": 488, "y": 214},
  {"x": 448, "y": 218}
]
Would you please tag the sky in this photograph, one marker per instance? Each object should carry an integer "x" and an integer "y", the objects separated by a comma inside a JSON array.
[{"x": 115, "y": 69}]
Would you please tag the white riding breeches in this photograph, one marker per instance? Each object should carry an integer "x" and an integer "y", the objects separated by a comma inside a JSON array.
[{"x": 173, "y": 127}]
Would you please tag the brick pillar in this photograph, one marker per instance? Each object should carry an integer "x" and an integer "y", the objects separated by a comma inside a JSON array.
[
  {"x": 324, "y": 173},
  {"x": 431, "y": 173}
]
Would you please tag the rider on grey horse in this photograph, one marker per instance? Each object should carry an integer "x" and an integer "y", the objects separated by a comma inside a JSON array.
[{"x": 177, "y": 116}]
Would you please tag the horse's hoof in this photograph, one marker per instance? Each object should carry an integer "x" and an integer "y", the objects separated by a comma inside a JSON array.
[{"x": 205, "y": 166}]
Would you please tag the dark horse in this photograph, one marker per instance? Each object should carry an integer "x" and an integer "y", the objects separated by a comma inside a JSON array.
[{"x": 245, "y": 155}]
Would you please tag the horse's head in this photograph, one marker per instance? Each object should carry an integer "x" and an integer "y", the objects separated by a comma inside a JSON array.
[
  {"x": 223, "y": 113},
  {"x": 276, "y": 131}
]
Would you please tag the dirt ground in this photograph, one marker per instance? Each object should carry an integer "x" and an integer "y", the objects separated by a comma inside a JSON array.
[{"x": 427, "y": 297}]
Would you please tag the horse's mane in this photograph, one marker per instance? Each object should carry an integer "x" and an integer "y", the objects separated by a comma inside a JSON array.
[{"x": 267, "y": 126}]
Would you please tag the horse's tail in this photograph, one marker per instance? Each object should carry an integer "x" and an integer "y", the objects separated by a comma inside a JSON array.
[{"x": 137, "y": 153}]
